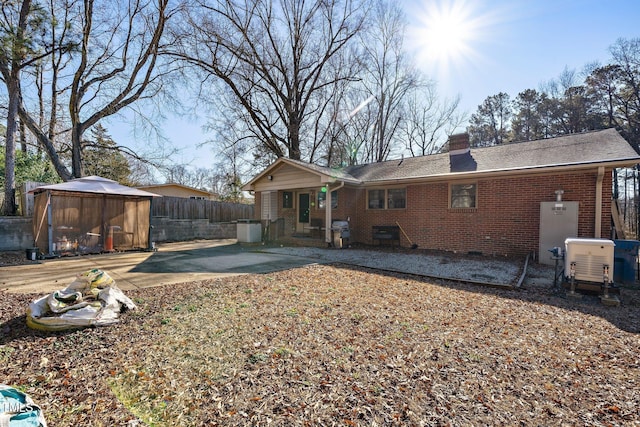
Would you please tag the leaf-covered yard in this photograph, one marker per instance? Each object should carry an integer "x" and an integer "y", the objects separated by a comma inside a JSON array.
[{"x": 335, "y": 345}]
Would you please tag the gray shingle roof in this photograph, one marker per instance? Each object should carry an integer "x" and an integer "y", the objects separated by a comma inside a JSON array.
[
  {"x": 589, "y": 148},
  {"x": 604, "y": 146}
]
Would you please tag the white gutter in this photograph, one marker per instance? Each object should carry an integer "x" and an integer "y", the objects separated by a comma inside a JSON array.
[
  {"x": 598, "y": 225},
  {"x": 327, "y": 212}
]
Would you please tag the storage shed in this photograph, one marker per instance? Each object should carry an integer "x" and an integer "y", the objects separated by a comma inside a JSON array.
[{"x": 90, "y": 215}]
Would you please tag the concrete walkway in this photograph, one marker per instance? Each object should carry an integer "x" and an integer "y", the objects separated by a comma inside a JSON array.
[{"x": 172, "y": 263}]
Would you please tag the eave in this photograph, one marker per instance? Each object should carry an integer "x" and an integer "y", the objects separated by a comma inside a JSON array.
[{"x": 473, "y": 175}]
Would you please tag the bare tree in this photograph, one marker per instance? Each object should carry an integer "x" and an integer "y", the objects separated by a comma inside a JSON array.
[
  {"x": 346, "y": 129},
  {"x": 626, "y": 58},
  {"x": 232, "y": 167},
  {"x": 626, "y": 55},
  {"x": 603, "y": 84},
  {"x": 62, "y": 40},
  {"x": 273, "y": 57},
  {"x": 14, "y": 28},
  {"x": 20, "y": 47},
  {"x": 389, "y": 76},
  {"x": 116, "y": 64},
  {"x": 428, "y": 121}
]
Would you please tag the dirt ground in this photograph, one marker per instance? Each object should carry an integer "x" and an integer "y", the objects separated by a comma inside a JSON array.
[{"x": 335, "y": 345}]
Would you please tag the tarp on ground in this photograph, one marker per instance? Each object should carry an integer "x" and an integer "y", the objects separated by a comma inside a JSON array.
[{"x": 92, "y": 299}]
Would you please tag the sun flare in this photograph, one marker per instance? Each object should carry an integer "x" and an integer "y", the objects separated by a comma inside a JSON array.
[
  {"x": 444, "y": 33},
  {"x": 448, "y": 34}
]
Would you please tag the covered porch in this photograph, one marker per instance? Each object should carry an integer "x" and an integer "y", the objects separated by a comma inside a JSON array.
[{"x": 298, "y": 200}]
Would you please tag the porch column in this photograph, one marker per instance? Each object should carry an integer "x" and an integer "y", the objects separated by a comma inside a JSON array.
[
  {"x": 327, "y": 216},
  {"x": 328, "y": 237}
]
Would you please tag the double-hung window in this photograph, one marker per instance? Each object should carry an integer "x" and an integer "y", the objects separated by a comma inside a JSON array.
[{"x": 390, "y": 198}]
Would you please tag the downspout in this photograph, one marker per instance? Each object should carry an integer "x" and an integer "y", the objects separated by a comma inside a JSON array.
[
  {"x": 598, "y": 225},
  {"x": 327, "y": 213}
]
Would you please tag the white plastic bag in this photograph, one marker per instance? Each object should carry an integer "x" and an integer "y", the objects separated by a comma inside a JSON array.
[{"x": 92, "y": 299}]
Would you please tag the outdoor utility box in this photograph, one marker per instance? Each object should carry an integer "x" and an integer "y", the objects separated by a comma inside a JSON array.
[
  {"x": 558, "y": 221},
  {"x": 626, "y": 261},
  {"x": 249, "y": 231},
  {"x": 590, "y": 257}
]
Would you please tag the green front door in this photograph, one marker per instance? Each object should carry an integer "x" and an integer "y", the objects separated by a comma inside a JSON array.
[{"x": 303, "y": 208}]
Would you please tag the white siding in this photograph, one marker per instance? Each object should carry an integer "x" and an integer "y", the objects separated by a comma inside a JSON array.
[{"x": 288, "y": 177}]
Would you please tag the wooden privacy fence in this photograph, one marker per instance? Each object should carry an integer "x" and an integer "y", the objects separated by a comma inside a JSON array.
[{"x": 181, "y": 208}]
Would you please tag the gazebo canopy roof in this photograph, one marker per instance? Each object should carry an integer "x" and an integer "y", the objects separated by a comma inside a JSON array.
[{"x": 96, "y": 185}]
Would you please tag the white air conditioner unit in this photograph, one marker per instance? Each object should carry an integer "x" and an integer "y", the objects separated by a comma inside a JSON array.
[{"x": 590, "y": 256}]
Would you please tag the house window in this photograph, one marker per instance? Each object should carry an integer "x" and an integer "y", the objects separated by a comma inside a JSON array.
[
  {"x": 322, "y": 198},
  {"x": 376, "y": 199},
  {"x": 393, "y": 198},
  {"x": 287, "y": 199},
  {"x": 463, "y": 196},
  {"x": 396, "y": 198},
  {"x": 269, "y": 210}
]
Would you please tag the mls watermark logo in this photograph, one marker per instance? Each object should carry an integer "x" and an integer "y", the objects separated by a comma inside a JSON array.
[{"x": 16, "y": 408}]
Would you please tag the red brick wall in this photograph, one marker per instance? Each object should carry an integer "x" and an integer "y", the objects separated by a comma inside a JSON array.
[
  {"x": 505, "y": 222},
  {"x": 289, "y": 214}
]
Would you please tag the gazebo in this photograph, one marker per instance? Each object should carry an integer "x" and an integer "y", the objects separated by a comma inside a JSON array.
[{"x": 90, "y": 215}]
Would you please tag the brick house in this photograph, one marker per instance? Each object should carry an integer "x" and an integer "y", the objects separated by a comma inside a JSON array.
[{"x": 484, "y": 200}]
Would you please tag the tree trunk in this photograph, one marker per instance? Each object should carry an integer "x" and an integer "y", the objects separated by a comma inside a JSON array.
[
  {"x": 12, "y": 80},
  {"x": 294, "y": 138},
  {"x": 9, "y": 205},
  {"x": 76, "y": 151}
]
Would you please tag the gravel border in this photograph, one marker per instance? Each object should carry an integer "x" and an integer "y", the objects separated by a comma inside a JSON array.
[{"x": 482, "y": 270}]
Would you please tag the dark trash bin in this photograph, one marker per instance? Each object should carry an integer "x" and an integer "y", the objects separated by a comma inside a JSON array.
[
  {"x": 626, "y": 261},
  {"x": 32, "y": 254}
]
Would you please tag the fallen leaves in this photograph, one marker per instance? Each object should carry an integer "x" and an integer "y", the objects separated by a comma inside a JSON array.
[{"x": 335, "y": 345}]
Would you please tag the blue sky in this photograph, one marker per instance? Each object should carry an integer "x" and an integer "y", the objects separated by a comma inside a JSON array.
[
  {"x": 513, "y": 45},
  {"x": 493, "y": 46}
]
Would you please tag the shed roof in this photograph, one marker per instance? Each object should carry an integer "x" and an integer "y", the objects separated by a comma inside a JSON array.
[
  {"x": 97, "y": 185},
  {"x": 604, "y": 147}
]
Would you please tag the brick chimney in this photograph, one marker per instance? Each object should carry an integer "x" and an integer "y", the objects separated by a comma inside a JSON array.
[
  {"x": 459, "y": 144},
  {"x": 460, "y": 158}
]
